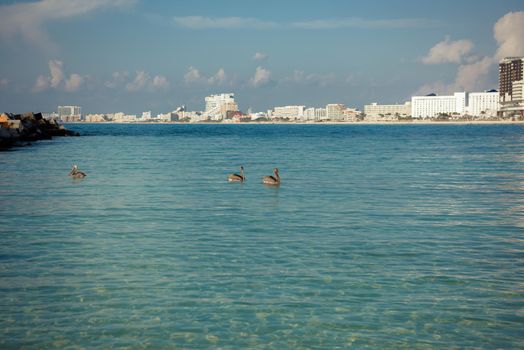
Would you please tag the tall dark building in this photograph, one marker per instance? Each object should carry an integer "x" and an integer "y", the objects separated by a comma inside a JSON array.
[{"x": 511, "y": 80}]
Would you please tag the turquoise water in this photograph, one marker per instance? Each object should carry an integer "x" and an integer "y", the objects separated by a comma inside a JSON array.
[{"x": 379, "y": 237}]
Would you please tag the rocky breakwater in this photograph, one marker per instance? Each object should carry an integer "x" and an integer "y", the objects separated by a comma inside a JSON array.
[{"x": 21, "y": 129}]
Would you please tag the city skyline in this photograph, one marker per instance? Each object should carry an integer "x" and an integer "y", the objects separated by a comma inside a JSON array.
[{"x": 131, "y": 55}]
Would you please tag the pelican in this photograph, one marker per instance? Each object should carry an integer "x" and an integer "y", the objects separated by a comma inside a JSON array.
[
  {"x": 237, "y": 177},
  {"x": 76, "y": 174},
  {"x": 272, "y": 180}
]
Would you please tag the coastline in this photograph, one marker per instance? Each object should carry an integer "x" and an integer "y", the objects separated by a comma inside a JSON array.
[{"x": 417, "y": 122}]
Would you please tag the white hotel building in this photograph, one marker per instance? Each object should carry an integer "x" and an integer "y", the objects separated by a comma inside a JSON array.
[
  {"x": 335, "y": 111},
  {"x": 474, "y": 103},
  {"x": 217, "y": 106},
  {"x": 70, "y": 113},
  {"x": 432, "y": 105},
  {"x": 483, "y": 103},
  {"x": 376, "y": 110},
  {"x": 291, "y": 112}
]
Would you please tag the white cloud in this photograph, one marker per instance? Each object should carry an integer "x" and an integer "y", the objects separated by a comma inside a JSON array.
[
  {"x": 219, "y": 78},
  {"x": 160, "y": 82},
  {"x": 57, "y": 73},
  {"x": 448, "y": 51},
  {"x": 509, "y": 33},
  {"x": 57, "y": 79},
  {"x": 143, "y": 82},
  {"x": 200, "y": 22},
  {"x": 4, "y": 83},
  {"x": 470, "y": 77},
  {"x": 140, "y": 82},
  {"x": 74, "y": 82},
  {"x": 41, "y": 84},
  {"x": 117, "y": 79},
  {"x": 262, "y": 77},
  {"x": 260, "y": 56},
  {"x": 192, "y": 76},
  {"x": 473, "y": 75},
  {"x": 28, "y": 19},
  {"x": 195, "y": 77}
]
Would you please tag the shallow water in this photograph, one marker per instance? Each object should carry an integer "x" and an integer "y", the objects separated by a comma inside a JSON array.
[{"x": 380, "y": 236}]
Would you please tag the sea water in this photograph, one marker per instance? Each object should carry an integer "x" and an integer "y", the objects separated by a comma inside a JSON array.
[{"x": 394, "y": 236}]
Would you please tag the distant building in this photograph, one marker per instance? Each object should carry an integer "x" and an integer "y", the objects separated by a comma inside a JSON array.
[
  {"x": 146, "y": 115},
  {"x": 483, "y": 104},
  {"x": 121, "y": 117},
  {"x": 94, "y": 118},
  {"x": 511, "y": 81},
  {"x": 217, "y": 106},
  {"x": 376, "y": 110},
  {"x": 335, "y": 111},
  {"x": 165, "y": 117},
  {"x": 309, "y": 113},
  {"x": 70, "y": 113},
  {"x": 350, "y": 114},
  {"x": 320, "y": 114},
  {"x": 192, "y": 116},
  {"x": 289, "y": 112},
  {"x": 432, "y": 105}
]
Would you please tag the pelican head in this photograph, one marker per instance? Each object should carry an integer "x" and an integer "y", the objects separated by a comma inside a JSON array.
[
  {"x": 74, "y": 169},
  {"x": 75, "y": 173}
]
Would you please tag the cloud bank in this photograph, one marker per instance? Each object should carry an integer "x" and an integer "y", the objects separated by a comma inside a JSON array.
[
  {"x": 259, "y": 56},
  {"x": 509, "y": 33},
  {"x": 144, "y": 82},
  {"x": 195, "y": 77},
  {"x": 202, "y": 22},
  {"x": 448, "y": 51},
  {"x": 27, "y": 20},
  {"x": 262, "y": 77},
  {"x": 473, "y": 75},
  {"x": 57, "y": 79}
]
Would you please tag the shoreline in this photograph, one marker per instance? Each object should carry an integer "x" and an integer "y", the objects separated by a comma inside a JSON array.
[{"x": 421, "y": 122}]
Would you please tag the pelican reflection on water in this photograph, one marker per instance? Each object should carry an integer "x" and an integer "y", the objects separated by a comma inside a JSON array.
[
  {"x": 237, "y": 177},
  {"x": 76, "y": 174},
  {"x": 272, "y": 180}
]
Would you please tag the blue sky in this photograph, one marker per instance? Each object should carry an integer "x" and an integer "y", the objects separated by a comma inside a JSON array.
[{"x": 137, "y": 55}]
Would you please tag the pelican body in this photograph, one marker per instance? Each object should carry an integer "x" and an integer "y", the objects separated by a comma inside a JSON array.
[
  {"x": 76, "y": 174},
  {"x": 237, "y": 177},
  {"x": 272, "y": 180}
]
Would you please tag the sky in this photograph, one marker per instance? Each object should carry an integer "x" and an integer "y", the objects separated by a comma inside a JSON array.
[{"x": 135, "y": 55}]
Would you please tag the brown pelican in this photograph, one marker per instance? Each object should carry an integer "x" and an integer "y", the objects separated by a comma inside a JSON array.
[
  {"x": 237, "y": 177},
  {"x": 272, "y": 180},
  {"x": 77, "y": 174}
]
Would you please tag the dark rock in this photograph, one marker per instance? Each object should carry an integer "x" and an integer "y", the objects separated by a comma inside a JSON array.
[
  {"x": 22, "y": 129},
  {"x": 28, "y": 115},
  {"x": 6, "y": 139}
]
